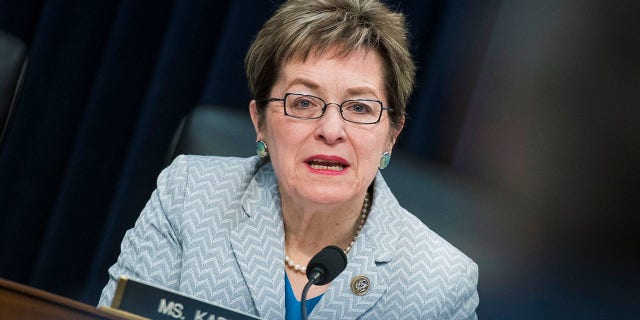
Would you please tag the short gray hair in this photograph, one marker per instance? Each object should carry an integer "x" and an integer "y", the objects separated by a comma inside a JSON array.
[{"x": 301, "y": 26}]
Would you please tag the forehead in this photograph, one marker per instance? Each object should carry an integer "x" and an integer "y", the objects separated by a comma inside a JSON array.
[{"x": 355, "y": 71}]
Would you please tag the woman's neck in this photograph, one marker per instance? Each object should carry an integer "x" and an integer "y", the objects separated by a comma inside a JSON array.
[{"x": 310, "y": 227}]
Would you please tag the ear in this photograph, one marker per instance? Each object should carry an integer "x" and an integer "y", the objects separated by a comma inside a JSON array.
[
  {"x": 255, "y": 118},
  {"x": 395, "y": 134}
]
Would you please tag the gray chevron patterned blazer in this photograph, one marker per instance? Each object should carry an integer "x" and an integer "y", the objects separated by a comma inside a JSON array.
[{"x": 213, "y": 229}]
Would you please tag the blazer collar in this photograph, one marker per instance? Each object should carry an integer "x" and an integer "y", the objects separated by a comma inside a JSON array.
[
  {"x": 258, "y": 244},
  {"x": 383, "y": 224},
  {"x": 373, "y": 249}
]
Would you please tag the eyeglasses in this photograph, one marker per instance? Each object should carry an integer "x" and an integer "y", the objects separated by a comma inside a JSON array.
[{"x": 307, "y": 107}]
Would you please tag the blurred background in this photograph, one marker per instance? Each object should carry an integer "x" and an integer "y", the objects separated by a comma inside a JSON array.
[{"x": 522, "y": 145}]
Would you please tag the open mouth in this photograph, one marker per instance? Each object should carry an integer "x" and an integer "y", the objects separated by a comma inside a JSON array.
[{"x": 319, "y": 164}]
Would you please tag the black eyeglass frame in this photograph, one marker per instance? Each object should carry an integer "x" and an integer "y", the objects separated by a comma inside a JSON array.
[{"x": 324, "y": 108}]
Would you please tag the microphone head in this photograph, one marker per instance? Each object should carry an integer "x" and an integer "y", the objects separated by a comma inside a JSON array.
[{"x": 329, "y": 262}]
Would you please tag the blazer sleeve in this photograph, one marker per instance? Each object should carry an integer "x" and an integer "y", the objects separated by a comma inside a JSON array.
[
  {"x": 465, "y": 297},
  {"x": 151, "y": 250}
]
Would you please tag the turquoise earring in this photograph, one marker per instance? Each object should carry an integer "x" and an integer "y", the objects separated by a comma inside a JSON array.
[
  {"x": 384, "y": 160},
  {"x": 261, "y": 149}
]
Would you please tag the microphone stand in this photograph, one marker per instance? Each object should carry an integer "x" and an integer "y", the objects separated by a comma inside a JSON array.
[
  {"x": 303, "y": 301},
  {"x": 325, "y": 266}
]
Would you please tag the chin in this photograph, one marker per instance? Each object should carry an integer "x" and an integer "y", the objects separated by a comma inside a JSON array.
[{"x": 329, "y": 195}]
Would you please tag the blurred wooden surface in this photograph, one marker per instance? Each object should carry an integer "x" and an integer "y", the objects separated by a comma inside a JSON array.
[{"x": 19, "y": 301}]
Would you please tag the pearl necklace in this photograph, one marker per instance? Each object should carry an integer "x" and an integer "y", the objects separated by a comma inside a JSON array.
[{"x": 363, "y": 218}]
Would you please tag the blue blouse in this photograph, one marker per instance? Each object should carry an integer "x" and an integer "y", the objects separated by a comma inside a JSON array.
[{"x": 292, "y": 305}]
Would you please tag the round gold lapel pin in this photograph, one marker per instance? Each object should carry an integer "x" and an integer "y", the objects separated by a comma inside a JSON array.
[{"x": 360, "y": 285}]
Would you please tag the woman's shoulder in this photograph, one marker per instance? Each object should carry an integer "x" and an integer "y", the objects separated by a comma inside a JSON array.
[
  {"x": 412, "y": 233},
  {"x": 427, "y": 242},
  {"x": 432, "y": 256},
  {"x": 198, "y": 167},
  {"x": 445, "y": 278},
  {"x": 216, "y": 163},
  {"x": 209, "y": 188},
  {"x": 193, "y": 176}
]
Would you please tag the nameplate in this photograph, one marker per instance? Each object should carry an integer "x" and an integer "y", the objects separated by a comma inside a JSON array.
[{"x": 154, "y": 302}]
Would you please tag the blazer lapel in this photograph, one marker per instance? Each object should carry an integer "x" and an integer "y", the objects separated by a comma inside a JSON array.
[
  {"x": 258, "y": 244},
  {"x": 373, "y": 249},
  {"x": 339, "y": 301}
]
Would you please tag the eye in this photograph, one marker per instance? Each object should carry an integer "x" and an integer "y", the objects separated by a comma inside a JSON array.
[
  {"x": 303, "y": 103},
  {"x": 359, "y": 108}
]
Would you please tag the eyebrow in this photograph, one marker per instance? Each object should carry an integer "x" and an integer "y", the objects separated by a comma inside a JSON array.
[
  {"x": 353, "y": 91},
  {"x": 305, "y": 82},
  {"x": 361, "y": 91}
]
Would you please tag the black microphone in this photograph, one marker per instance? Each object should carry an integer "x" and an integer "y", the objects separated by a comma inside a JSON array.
[{"x": 325, "y": 266}]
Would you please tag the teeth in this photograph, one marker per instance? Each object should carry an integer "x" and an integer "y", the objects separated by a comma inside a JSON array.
[{"x": 323, "y": 167}]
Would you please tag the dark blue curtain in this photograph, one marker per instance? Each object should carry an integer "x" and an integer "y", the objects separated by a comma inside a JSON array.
[{"x": 108, "y": 82}]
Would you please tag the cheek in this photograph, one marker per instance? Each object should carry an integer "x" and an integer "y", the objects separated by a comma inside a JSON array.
[
  {"x": 284, "y": 134},
  {"x": 370, "y": 147},
  {"x": 285, "y": 139}
]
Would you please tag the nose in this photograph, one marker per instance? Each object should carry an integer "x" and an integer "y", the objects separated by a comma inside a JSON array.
[{"x": 330, "y": 128}]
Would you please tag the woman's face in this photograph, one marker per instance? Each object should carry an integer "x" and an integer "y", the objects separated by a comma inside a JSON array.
[{"x": 326, "y": 160}]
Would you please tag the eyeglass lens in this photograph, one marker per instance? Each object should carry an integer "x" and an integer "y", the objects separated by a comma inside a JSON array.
[{"x": 311, "y": 107}]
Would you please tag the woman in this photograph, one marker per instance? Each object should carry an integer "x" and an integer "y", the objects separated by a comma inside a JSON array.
[{"x": 330, "y": 81}]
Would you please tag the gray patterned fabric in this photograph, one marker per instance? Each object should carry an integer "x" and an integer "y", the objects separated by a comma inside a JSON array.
[{"x": 213, "y": 229}]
